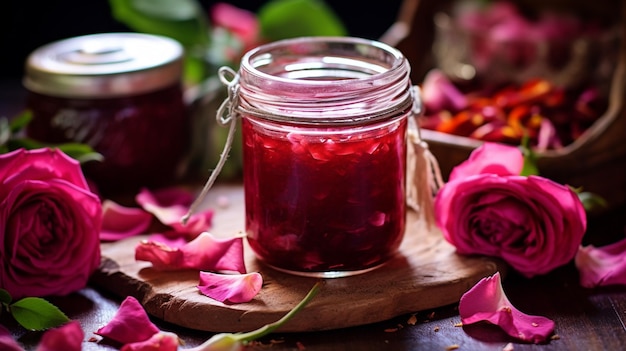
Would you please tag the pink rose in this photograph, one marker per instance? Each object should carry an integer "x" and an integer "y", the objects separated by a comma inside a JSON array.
[
  {"x": 241, "y": 22},
  {"x": 486, "y": 208},
  {"x": 49, "y": 224}
]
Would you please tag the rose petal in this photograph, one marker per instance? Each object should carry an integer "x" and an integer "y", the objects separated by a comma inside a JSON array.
[
  {"x": 205, "y": 253},
  {"x": 169, "y": 205},
  {"x": 119, "y": 222},
  {"x": 234, "y": 288},
  {"x": 493, "y": 158},
  {"x": 240, "y": 21},
  {"x": 602, "y": 266},
  {"x": 168, "y": 239},
  {"x": 161, "y": 341},
  {"x": 68, "y": 337},
  {"x": 7, "y": 343},
  {"x": 439, "y": 93},
  {"x": 130, "y": 324},
  {"x": 40, "y": 164},
  {"x": 486, "y": 301},
  {"x": 496, "y": 131},
  {"x": 547, "y": 137}
]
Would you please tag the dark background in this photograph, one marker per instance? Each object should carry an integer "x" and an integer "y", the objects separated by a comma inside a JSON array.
[{"x": 27, "y": 24}]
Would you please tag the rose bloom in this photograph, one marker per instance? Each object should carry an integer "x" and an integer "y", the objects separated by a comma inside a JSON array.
[
  {"x": 49, "y": 224},
  {"x": 487, "y": 208},
  {"x": 241, "y": 22}
]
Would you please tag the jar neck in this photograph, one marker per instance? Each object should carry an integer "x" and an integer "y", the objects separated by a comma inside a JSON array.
[{"x": 322, "y": 80}]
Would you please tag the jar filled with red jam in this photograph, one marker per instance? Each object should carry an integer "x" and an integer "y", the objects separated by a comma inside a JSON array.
[
  {"x": 324, "y": 124},
  {"x": 121, "y": 94}
]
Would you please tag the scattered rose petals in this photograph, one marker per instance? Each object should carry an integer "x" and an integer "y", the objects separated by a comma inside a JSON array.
[
  {"x": 538, "y": 111},
  {"x": 439, "y": 93},
  {"x": 486, "y": 301},
  {"x": 7, "y": 343},
  {"x": 169, "y": 205},
  {"x": 602, "y": 266},
  {"x": 235, "y": 288},
  {"x": 547, "y": 136},
  {"x": 119, "y": 222},
  {"x": 130, "y": 324},
  {"x": 205, "y": 253},
  {"x": 68, "y": 337},
  {"x": 168, "y": 239},
  {"x": 161, "y": 341}
]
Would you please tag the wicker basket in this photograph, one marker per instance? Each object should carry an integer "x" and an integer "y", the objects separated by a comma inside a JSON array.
[{"x": 596, "y": 161}]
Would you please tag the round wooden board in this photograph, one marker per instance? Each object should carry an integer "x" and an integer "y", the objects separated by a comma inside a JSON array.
[{"x": 426, "y": 273}]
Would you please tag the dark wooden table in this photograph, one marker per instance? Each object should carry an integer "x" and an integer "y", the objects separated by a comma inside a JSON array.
[{"x": 586, "y": 319}]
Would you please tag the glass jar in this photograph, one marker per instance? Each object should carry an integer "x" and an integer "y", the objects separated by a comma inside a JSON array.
[
  {"x": 121, "y": 94},
  {"x": 324, "y": 124}
]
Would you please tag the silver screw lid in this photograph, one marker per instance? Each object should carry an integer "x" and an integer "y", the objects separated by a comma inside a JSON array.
[{"x": 104, "y": 65}]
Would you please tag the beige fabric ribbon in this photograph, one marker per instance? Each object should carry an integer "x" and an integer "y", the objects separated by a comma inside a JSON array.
[{"x": 423, "y": 174}]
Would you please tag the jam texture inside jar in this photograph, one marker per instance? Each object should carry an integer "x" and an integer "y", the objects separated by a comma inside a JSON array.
[
  {"x": 324, "y": 124},
  {"x": 142, "y": 138}
]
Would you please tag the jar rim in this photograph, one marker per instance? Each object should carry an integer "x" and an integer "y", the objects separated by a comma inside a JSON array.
[
  {"x": 250, "y": 56},
  {"x": 313, "y": 80}
]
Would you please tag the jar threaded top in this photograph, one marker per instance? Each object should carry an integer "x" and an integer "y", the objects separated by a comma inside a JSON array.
[{"x": 317, "y": 80}]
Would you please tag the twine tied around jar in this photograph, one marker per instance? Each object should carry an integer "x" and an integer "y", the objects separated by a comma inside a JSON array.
[
  {"x": 423, "y": 173},
  {"x": 226, "y": 116}
]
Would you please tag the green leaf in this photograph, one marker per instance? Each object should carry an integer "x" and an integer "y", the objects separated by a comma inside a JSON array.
[
  {"x": 5, "y": 297},
  {"x": 182, "y": 20},
  {"x": 283, "y": 19},
  {"x": 530, "y": 158},
  {"x": 5, "y": 131},
  {"x": 529, "y": 167},
  {"x": 35, "y": 313},
  {"x": 81, "y": 152},
  {"x": 25, "y": 143},
  {"x": 21, "y": 121},
  {"x": 195, "y": 69},
  {"x": 591, "y": 201}
]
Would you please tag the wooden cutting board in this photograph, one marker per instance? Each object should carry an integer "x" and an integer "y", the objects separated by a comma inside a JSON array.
[{"x": 427, "y": 273}]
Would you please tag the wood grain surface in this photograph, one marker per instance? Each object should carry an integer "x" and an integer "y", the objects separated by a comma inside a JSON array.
[{"x": 426, "y": 273}]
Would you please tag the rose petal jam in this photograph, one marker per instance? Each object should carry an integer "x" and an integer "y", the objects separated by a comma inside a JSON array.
[
  {"x": 324, "y": 125},
  {"x": 324, "y": 201}
]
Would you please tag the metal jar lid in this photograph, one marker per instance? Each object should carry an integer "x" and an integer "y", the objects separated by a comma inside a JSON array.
[{"x": 104, "y": 65}]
